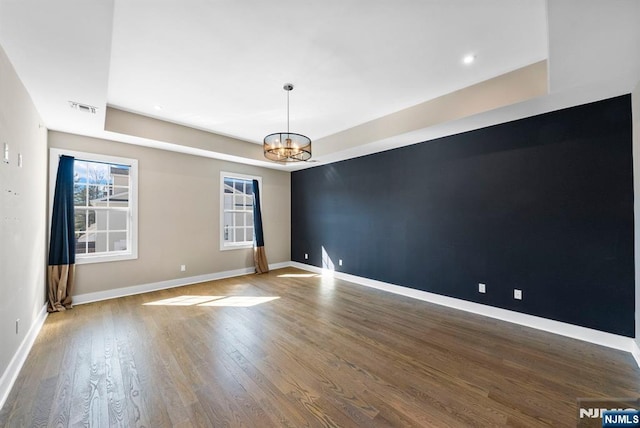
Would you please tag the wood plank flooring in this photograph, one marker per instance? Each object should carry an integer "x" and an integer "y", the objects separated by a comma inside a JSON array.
[{"x": 325, "y": 353}]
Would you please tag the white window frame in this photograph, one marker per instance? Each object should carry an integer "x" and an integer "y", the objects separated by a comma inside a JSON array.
[
  {"x": 225, "y": 246},
  {"x": 132, "y": 251}
]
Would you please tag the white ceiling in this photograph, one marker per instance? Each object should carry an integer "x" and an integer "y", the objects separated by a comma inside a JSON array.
[{"x": 219, "y": 65}]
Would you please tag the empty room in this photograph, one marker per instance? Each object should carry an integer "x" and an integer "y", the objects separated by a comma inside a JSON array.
[{"x": 340, "y": 213}]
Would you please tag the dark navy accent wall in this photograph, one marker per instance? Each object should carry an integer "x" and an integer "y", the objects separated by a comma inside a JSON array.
[{"x": 543, "y": 204}]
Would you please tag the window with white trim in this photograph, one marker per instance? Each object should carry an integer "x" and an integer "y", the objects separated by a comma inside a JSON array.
[
  {"x": 105, "y": 201},
  {"x": 236, "y": 210}
]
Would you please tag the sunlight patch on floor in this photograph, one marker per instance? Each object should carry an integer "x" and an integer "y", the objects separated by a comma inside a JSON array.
[
  {"x": 240, "y": 301},
  {"x": 189, "y": 300},
  {"x": 183, "y": 301}
]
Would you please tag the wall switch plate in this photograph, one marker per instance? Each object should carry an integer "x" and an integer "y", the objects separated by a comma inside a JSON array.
[
  {"x": 183, "y": 268},
  {"x": 19, "y": 160},
  {"x": 340, "y": 262},
  {"x": 17, "y": 325},
  {"x": 517, "y": 294},
  {"x": 482, "y": 288},
  {"x": 306, "y": 256},
  {"x": 6, "y": 153}
]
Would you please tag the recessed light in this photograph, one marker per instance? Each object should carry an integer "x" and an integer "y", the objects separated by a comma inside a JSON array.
[
  {"x": 157, "y": 107},
  {"x": 469, "y": 59}
]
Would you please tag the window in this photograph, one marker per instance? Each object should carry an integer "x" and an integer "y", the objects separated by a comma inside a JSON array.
[
  {"x": 236, "y": 217},
  {"x": 105, "y": 200}
]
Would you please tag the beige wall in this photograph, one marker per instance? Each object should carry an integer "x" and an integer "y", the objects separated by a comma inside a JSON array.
[
  {"x": 178, "y": 216},
  {"x": 635, "y": 109},
  {"x": 22, "y": 213}
]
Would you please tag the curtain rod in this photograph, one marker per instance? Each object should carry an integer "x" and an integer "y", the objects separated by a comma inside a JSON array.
[{"x": 95, "y": 161}]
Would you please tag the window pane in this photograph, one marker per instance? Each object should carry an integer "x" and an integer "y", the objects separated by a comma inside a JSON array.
[
  {"x": 239, "y": 186},
  {"x": 85, "y": 242},
  {"x": 238, "y": 202},
  {"x": 91, "y": 220},
  {"x": 118, "y": 196},
  {"x": 117, "y": 220},
  {"x": 228, "y": 185},
  {"x": 80, "y": 183},
  {"x": 117, "y": 241},
  {"x": 98, "y": 173},
  {"x": 81, "y": 246},
  {"x": 96, "y": 196},
  {"x": 239, "y": 219},
  {"x": 91, "y": 225},
  {"x": 79, "y": 195},
  {"x": 249, "y": 234},
  {"x": 80, "y": 220},
  {"x": 228, "y": 202},
  {"x": 100, "y": 242},
  {"x": 119, "y": 175},
  {"x": 80, "y": 168},
  {"x": 239, "y": 234},
  {"x": 228, "y": 218}
]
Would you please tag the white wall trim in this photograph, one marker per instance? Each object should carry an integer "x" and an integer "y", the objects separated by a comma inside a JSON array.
[
  {"x": 635, "y": 351},
  {"x": 564, "y": 329},
  {"x": 163, "y": 285},
  {"x": 15, "y": 365}
]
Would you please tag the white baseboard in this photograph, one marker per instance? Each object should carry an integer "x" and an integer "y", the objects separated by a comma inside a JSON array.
[
  {"x": 163, "y": 285},
  {"x": 274, "y": 266},
  {"x": 564, "y": 329},
  {"x": 15, "y": 365},
  {"x": 635, "y": 351}
]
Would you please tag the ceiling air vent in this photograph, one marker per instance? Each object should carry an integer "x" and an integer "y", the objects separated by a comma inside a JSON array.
[{"x": 83, "y": 107}]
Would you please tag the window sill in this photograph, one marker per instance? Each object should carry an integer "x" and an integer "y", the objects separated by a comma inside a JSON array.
[
  {"x": 85, "y": 260},
  {"x": 235, "y": 247}
]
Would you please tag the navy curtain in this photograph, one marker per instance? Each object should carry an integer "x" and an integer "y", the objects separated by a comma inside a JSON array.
[
  {"x": 62, "y": 246},
  {"x": 259, "y": 254}
]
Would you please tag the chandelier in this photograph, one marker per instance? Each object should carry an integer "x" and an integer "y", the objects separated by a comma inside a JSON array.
[{"x": 287, "y": 146}]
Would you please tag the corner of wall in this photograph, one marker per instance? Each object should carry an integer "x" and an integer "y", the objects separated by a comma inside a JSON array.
[
  {"x": 23, "y": 223},
  {"x": 635, "y": 111}
]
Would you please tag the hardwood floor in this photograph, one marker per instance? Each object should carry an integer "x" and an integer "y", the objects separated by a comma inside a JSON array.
[{"x": 325, "y": 353}]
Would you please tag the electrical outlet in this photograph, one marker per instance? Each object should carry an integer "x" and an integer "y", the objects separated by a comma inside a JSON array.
[
  {"x": 17, "y": 325},
  {"x": 183, "y": 268},
  {"x": 340, "y": 262},
  {"x": 482, "y": 288},
  {"x": 306, "y": 256},
  {"x": 517, "y": 294}
]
